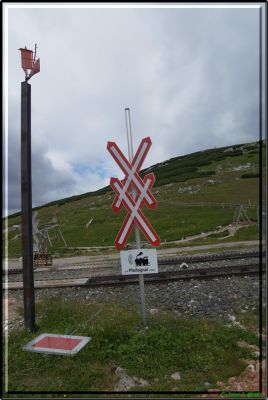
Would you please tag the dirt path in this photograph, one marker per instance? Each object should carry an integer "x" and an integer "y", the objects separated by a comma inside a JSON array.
[{"x": 232, "y": 229}]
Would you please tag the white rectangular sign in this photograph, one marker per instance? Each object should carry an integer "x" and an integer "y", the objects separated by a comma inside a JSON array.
[{"x": 140, "y": 261}]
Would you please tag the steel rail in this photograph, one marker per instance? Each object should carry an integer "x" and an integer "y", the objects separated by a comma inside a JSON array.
[
  {"x": 161, "y": 261},
  {"x": 161, "y": 277},
  {"x": 210, "y": 257}
]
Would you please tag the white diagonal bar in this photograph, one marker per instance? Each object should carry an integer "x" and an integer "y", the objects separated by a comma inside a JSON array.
[
  {"x": 131, "y": 177},
  {"x": 126, "y": 229},
  {"x": 140, "y": 154},
  {"x": 134, "y": 211}
]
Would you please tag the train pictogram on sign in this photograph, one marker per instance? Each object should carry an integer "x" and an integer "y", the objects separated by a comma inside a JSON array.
[
  {"x": 141, "y": 261},
  {"x": 142, "y": 187}
]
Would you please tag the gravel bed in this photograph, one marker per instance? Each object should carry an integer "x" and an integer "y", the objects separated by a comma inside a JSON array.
[{"x": 214, "y": 298}]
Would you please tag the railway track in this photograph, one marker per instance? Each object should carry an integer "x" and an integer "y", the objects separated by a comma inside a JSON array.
[
  {"x": 161, "y": 277},
  {"x": 212, "y": 257},
  {"x": 161, "y": 261}
]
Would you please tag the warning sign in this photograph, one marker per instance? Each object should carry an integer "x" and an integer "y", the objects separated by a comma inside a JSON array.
[
  {"x": 140, "y": 261},
  {"x": 142, "y": 190}
]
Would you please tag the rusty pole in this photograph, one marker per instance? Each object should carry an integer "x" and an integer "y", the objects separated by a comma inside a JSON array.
[{"x": 26, "y": 208}]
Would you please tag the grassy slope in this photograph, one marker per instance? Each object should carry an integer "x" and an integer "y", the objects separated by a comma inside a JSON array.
[{"x": 207, "y": 176}]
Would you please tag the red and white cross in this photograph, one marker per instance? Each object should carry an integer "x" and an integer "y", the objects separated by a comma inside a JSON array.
[{"x": 142, "y": 189}]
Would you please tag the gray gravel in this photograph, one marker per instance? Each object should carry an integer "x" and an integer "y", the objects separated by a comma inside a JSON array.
[
  {"x": 46, "y": 273},
  {"x": 216, "y": 298},
  {"x": 212, "y": 298}
]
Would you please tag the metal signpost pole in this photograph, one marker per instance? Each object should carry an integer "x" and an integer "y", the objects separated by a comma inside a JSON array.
[
  {"x": 137, "y": 231},
  {"x": 26, "y": 207}
]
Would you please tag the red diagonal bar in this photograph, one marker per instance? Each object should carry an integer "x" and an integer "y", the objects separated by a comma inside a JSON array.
[
  {"x": 138, "y": 159},
  {"x": 142, "y": 193},
  {"x": 141, "y": 153},
  {"x": 136, "y": 164},
  {"x": 115, "y": 181},
  {"x": 135, "y": 215},
  {"x": 130, "y": 170}
]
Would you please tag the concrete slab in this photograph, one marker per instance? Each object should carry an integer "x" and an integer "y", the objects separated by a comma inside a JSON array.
[{"x": 57, "y": 344}]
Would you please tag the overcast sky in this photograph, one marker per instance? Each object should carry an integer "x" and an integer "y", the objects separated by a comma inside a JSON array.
[{"x": 190, "y": 77}]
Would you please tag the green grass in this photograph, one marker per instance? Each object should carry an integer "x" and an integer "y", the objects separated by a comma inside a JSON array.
[{"x": 201, "y": 350}]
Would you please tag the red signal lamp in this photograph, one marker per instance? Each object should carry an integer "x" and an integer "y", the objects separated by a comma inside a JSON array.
[{"x": 29, "y": 63}]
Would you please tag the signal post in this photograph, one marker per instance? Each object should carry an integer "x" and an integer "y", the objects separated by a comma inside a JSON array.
[{"x": 30, "y": 66}]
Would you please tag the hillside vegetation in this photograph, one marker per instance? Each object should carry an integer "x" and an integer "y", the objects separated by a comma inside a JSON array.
[{"x": 195, "y": 193}]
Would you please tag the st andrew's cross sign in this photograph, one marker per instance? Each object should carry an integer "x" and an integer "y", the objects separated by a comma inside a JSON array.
[{"x": 133, "y": 204}]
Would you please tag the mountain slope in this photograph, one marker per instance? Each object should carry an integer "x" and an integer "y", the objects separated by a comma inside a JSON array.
[{"x": 195, "y": 193}]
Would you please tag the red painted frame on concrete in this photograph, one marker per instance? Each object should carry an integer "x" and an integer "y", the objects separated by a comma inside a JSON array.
[{"x": 57, "y": 344}]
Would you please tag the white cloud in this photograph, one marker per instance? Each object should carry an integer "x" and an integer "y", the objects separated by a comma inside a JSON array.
[{"x": 189, "y": 76}]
